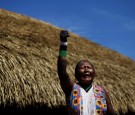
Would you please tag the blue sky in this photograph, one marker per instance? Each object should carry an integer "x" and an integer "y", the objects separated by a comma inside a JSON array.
[{"x": 110, "y": 23}]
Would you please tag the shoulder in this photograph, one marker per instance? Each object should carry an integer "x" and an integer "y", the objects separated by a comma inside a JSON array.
[
  {"x": 100, "y": 88},
  {"x": 74, "y": 90},
  {"x": 95, "y": 86},
  {"x": 104, "y": 91}
]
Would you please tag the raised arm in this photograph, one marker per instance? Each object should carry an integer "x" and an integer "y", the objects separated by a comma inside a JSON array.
[{"x": 65, "y": 81}]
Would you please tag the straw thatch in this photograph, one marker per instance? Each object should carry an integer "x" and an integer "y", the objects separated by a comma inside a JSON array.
[{"x": 28, "y": 58}]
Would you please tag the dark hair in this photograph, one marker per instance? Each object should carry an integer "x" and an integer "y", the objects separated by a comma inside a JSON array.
[{"x": 79, "y": 63}]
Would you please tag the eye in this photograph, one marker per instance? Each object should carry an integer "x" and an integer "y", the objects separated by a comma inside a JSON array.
[
  {"x": 89, "y": 67},
  {"x": 82, "y": 67}
]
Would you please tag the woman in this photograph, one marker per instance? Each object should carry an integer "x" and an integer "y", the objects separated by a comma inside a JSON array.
[{"x": 82, "y": 96}]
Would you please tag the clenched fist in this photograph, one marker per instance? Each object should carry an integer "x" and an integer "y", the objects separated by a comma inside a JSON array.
[{"x": 63, "y": 35}]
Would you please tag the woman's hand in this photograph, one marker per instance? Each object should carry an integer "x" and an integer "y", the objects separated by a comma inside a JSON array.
[{"x": 63, "y": 35}]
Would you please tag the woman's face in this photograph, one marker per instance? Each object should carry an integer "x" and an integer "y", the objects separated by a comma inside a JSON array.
[{"x": 85, "y": 73}]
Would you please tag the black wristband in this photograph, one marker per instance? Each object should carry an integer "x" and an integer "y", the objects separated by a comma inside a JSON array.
[
  {"x": 63, "y": 47},
  {"x": 63, "y": 39}
]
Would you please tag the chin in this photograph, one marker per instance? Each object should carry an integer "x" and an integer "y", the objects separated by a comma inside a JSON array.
[{"x": 87, "y": 81}]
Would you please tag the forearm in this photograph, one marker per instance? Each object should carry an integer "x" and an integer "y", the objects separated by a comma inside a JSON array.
[
  {"x": 62, "y": 65},
  {"x": 62, "y": 62},
  {"x": 65, "y": 81}
]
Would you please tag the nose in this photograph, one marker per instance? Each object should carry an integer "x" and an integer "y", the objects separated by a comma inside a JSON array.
[{"x": 86, "y": 68}]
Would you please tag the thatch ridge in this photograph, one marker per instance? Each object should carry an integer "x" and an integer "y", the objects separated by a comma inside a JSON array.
[{"x": 28, "y": 57}]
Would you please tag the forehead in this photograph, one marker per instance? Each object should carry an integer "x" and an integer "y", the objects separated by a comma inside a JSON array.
[{"x": 85, "y": 63}]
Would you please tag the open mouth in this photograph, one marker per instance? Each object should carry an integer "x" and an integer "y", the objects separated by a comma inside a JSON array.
[{"x": 86, "y": 76}]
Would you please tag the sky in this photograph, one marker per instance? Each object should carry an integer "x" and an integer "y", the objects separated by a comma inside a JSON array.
[{"x": 110, "y": 23}]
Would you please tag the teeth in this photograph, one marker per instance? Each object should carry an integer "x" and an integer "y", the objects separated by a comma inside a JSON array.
[{"x": 87, "y": 74}]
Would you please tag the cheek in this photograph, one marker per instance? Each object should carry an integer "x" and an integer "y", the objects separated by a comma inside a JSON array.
[
  {"x": 91, "y": 70},
  {"x": 80, "y": 71}
]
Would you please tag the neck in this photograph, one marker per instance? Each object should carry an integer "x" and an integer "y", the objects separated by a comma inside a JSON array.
[{"x": 86, "y": 87}]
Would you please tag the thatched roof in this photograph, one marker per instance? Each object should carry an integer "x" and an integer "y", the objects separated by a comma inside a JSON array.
[{"x": 28, "y": 58}]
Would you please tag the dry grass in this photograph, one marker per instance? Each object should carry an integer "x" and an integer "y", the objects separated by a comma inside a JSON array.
[{"x": 28, "y": 56}]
